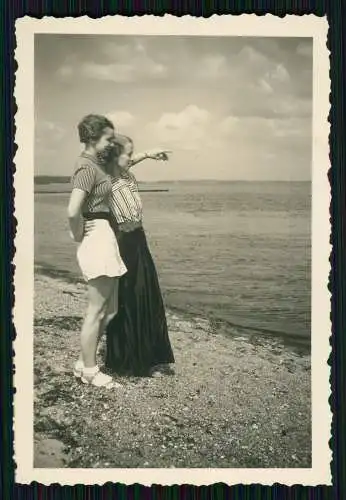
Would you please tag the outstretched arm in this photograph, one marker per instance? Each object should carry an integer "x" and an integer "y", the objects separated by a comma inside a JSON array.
[{"x": 158, "y": 155}]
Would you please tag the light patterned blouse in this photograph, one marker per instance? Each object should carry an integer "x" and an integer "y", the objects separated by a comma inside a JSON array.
[
  {"x": 89, "y": 177},
  {"x": 125, "y": 202}
]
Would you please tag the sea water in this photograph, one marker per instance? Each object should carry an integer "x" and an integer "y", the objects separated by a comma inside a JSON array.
[{"x": 236, "y": 252}]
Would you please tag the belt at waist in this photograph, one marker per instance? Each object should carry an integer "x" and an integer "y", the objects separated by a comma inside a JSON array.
[
  {"x": 128, "y": 226},
  {"x": 97, "y": 215}
]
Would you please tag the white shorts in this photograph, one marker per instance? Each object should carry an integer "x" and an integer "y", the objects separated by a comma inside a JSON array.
[{"x": 98, "y": 254}]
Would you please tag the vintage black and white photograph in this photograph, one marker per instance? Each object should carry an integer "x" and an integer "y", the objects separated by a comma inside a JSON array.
[{"x": 173, "y": 194}]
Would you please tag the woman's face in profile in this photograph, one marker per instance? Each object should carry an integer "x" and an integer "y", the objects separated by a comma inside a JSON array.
[
  {"x": 125, "y": 156},
  {"x": 123, "y": 160},
  {"x": 111, "y": 159},
  {"x": 106, "y": 141},
  {"x": 104, "y": 146}
]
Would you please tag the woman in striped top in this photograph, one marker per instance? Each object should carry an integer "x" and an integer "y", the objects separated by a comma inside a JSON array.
[
  {"x": 137, "y": 337},
  {"x": 98, "y": 252}
]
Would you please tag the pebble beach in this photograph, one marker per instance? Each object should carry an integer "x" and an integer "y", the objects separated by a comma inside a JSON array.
[{"x": 234, "y": 401}]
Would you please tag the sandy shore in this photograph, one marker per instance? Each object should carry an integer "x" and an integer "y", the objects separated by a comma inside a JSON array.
[{"x": 232, "y": 402}]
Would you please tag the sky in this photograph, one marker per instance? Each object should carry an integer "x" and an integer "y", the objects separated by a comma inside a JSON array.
[{"x": 235, "y": 108}]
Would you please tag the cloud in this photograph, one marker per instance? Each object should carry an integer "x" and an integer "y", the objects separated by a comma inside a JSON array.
[
  {"x": 190, "y": 116},
  {"x": 115, "y": 72},
  {"x": 237, "y": 68},
  {"x": 123, "y": 51},
  {"x": 279, "y": 74},
  {"x": 262, "y": 135},
  {"x": 121, "y": 119},
  {"x": 258, "y": 81},
  {"x": 293, "y": 127},
  {"x": 269, "y": 84},
  {"x": 212, "y": 66},
  {"x": 228, "y": 125},
  {"x": 265, "y": 87},
  {"x": 120, "y": 63},
  {"x": 304, "y": 49},
  {"x": 232, "y": 99},
  {"x": 48, "y": 140},
  {"x": 116, "y": 50},
  {"x": 121, "y": 73},
  {"x": 48, "y": 130},
  {"x": 65, "y": 71},
  {"x": 67, "y": 68},
  {"x": 259, "y": 64},
  {"x": 187, "y": 128},
  {"x": 139, "y": 47},
  {"x": 250, "y": 55},
  {"x": 197, "y": 129},
  {"x": 249, "y": 127},
  {"x": 292, "y": 106},
  {"x": 156, "y": 69}
]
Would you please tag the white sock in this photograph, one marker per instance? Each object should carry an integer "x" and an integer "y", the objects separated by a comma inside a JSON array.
[{"x": 90, "y": 370}]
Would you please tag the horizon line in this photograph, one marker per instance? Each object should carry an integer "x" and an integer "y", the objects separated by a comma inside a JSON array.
[{"x": 188, "y": 180}]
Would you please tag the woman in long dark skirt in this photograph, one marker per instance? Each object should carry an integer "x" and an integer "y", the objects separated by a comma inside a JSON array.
[{"x": 137, "y": 337}]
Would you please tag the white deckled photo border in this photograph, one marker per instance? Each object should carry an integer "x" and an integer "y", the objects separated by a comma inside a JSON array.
[{"x": 245, "y": 25}]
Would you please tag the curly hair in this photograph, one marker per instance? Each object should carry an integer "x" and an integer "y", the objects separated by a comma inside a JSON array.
[
  {"x": 121, "y": 141},
  {"x": 91, "y": 128}
]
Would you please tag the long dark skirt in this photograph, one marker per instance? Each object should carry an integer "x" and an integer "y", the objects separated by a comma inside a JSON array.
[{"x": 137, "y": 337}]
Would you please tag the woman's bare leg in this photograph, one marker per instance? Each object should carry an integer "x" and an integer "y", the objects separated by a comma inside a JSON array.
[
  {"x": 112, "y": 307},
  {"x": 112, "y": 310},
  {"x": 99, "y": 291}
]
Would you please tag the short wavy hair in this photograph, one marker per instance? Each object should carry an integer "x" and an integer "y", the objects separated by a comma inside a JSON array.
[
  {"x": 91, "y": 128},
  {"x": 121, "y": 141}
]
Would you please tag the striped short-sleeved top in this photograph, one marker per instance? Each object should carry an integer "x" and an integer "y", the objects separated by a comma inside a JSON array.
[
  {"x": 89, "y": 177},
  {"x": 125, "y": 202}
]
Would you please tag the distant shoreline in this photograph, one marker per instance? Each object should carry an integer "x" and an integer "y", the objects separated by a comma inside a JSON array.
[
  {"x": 46, "y": 180},
  {"x": 61, "y": 185},
  {"x": 44, "y": 191}
]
